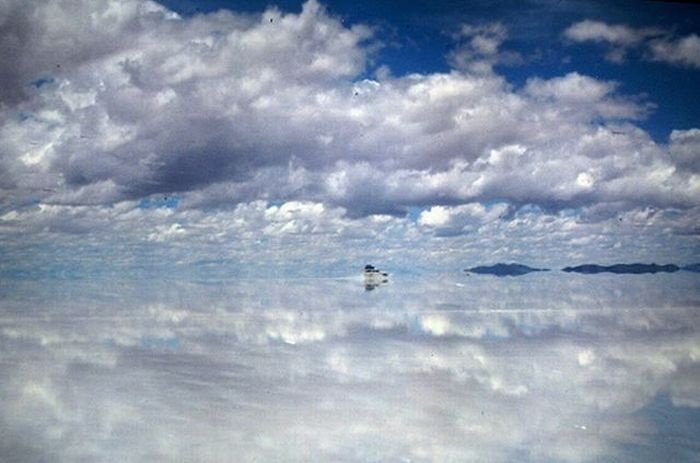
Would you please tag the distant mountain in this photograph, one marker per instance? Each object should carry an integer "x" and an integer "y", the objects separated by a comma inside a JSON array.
[
  {"x": 502, "y": 270},
  {"x": 623, "y": 268}
]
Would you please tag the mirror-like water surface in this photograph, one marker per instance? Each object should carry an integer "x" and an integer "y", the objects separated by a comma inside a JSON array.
[{"x": 542, "y": 368}]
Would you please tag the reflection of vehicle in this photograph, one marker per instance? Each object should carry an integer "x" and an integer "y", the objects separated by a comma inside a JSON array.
[{"x": 374, "y": 277}]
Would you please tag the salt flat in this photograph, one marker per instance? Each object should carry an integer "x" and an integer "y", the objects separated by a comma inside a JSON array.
[{"x": 545, "y": 367}]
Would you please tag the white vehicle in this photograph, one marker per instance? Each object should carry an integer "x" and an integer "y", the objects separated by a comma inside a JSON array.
[{"x": 374, "y": 277}]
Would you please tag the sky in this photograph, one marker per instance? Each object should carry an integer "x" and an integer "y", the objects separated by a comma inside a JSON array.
[{"x": 243, "y": 138}]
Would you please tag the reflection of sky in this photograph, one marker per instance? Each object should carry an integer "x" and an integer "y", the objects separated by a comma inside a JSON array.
[{"x": 548, "y": 367}]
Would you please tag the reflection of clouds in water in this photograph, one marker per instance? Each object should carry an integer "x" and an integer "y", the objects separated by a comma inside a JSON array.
[{"x": 553, "y": 367}]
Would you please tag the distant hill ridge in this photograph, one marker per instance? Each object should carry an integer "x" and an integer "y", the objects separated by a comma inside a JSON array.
[
  {"x": 514, "y": 269},
  {"x": 503, "y": 270},
  {"x": 623, "y": 268}
]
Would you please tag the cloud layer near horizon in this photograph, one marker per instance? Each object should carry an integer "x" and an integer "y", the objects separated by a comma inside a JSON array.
[{"x": 290, "y": 115}]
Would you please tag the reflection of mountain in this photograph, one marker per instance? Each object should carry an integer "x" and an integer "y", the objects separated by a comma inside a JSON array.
[
  {"x": 502, "y": 270},
  {"x": 623, "y": 268},
  {"x": 633, "y": 269},
  {"x": 692, "y": 268}
]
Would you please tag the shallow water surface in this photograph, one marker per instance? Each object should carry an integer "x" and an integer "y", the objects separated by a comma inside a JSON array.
[{"x": 542, "y": 368}]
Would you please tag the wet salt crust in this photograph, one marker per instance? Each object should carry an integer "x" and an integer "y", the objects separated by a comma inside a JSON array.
[{"x": 546, "y": 367}]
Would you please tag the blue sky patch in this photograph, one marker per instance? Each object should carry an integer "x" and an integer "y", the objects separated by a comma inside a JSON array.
[{"x": 158, "y": 201}]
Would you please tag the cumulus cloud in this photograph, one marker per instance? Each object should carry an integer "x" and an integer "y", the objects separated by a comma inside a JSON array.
[
  {"x": 685, "y": 149},
  {"x": 619, "y": 37},
  {"x": 684, "y": 51},
  {"x": 479, "y": 48},
  {"x": 598, "y": 31},
  {"x": 657, "y": 44},
  {"x": 461, "y": 219},
  {"x": 216, "y": 81},
  {"x": 229, "y": 101}
]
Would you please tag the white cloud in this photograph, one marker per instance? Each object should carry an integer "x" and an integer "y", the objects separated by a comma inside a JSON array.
[
  {"x": 461, "y": 219},
  {"x": 657, "y": 44},
  {"x": 239, "y": 131},
  {"x": 478, "y": 48},
  {"x": 619, "y": 37},
  {"x": 684, "y": 148},
  {"x": 572, "y": 88},
  {"x": 684, "y": 51},
  {"x": 435, "y": 216},
  {"x": 598, "y": 31}
]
